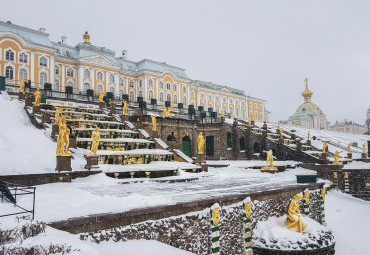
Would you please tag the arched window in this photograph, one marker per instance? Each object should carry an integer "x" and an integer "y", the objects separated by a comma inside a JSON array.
[
  {"x": 151, "y": 94},
  {"x": 237, "y": 112},
  {"x": 184, "y": 101},
  {"x": 111, "y": 89},
  {"x": 261, "y": 116},
  {"x": 243, "y": 114},
  {"x": 231, "y": 111},
  {"x": 150, "y": 83},
  {"x": 43, "y": 78},
  {"x": 121, "y": 93},
  {"x": 217, "y": 108},
  {"x": 202, "y": 96},
  {"x": 69, "y": 72},
  {"x": 99, "y": 76},
  {"x": 255, "y": 115},
  {"x": 132, "y": 96},
  {"x": 161, "y": 84},
  {"x": 111, "y": 78},
  {"x": 23, "y": 58},
  {"x": 175, "y": 99},
  {"x": 217, "y": 99},
  {"x": 168, "y": 97},
  {"x": 56, "y": 85},
  {"x": 120, "y": 81},
  {"x": 43, "y": 62},
  {"x": 70, "y": 84},
  {"x": 192, "y": 94},
  {"x": 86, "y": 86},
  {"x": 9, "y": 73},
  {"x": 230, "y": 101},
  {"x": 168, "y": 86},
  {"x": 140, "y": 84},
  {"x": 161, "y": 99},
  {"x": 210, "y": 97},
  {"x": 174, "y": 87},
  {"x": 132, "y": 85},
  {"x": 140, "y": 94},
  {"x": 9, "y": 55},
  {"x": 202, "y": 104},
  {"x": 56, "y": 70},
  {"x": 87, "y": 74},
  {"x": 184, "y": 89},
  {"x": 100, "y": 88},
  {"x": 23, "y": 74}
]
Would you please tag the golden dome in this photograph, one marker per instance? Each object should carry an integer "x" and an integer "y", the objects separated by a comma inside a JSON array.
[{"x": 307, "y": 94}]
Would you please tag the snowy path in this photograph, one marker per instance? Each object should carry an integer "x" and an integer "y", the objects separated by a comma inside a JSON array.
[{"x": 348, "y": 217}]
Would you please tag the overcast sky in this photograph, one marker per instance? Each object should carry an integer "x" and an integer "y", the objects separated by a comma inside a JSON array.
[{"x": 266, "y": 48}]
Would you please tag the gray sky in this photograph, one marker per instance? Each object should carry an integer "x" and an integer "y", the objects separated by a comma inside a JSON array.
[{"x": 264, "y": 47}]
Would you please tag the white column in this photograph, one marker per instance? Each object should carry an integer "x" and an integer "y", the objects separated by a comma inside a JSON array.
[
  {"x": 116, "y": 79},
  {"x": 32, "y": 63},
  {"x": 145, "y": 96},
  {"x": 80, "y": 78},
  {"x": 52, "y": 69},
  {"x": 92, "y": 76},
  {"x": 63, "y": 82}
]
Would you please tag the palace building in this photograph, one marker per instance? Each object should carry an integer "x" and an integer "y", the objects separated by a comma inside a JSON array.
[
  {"x": 308, "y": 114},
  {"x": 29, "y": 54}
]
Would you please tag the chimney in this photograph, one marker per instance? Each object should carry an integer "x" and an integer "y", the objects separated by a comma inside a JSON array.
[
  {"x": 42, "y": 30},
  {"x": 124, "y": 54},
  {"x": 64, "y": 39}
]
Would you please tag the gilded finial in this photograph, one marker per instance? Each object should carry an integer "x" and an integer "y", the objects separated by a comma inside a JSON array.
[
  {"x": 86, "y": 38},
  {"x": 307, "y": 94}
]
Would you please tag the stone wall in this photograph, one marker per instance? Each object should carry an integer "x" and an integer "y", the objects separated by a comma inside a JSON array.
[{"x": 191, "y": 231}]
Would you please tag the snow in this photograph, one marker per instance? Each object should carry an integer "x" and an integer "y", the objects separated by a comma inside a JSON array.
[
  {"x": 130, "y": 125},
  {"x": 152, "y": 166},
  {"x": 115, "y": 140},
  {"x": 182, "y": 155},
  {"x": 135, "y": 152},
  {"x": 161, "y": 143},
  {"x": 144, "y": 133}
]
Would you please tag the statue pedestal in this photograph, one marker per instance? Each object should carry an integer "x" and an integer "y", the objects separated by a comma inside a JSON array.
[
  {"x": 308, "y": 142},
  {"x": 222, "y": 119},
  {"x": 299, "y": 146},
  {"x": 201, "y": 158},
  {"x": 101, "y": 105},
  {"x": 264, "y": 127},
  {"x": 363, "y": 156},
  {"x": 124, "y": 117},
  {"x": 36, "y": 109},
  {"x": 92, "y": 161},
  {"x": 112, "y": 109},
  {"x": 268, "y": 169},
  {"x": 46, "y": 118},
  {"x": 21, "y": 96},
  {"x": 252, "y": 123},
  {"x": 323, "y": 159},
  {"x": 155, "y": 133},
  {"x": 72, "y": 142},
  {"x": 349, "y": 155},
  {"x": 64, "y": 163},
  {"x": 281, "y": 141},
  {"x": 28, "y": 101},
  {"x": 54, "y": 130}
]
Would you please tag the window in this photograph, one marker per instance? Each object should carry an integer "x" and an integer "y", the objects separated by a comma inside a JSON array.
[
  {"x": 132, "y": 96},
  {"x": 224, "y": 99},
  {"x": 237, "y": 112},
  {"x": 100, "y": 88},
  {"x": 9, "y": 72},
  {"x": 168, "y": 97},
  {"x": 161, "y": 97},
  {"x": 261, "y": 116},
  {"x": 120, "y": 81},
  {"x": 69, "y": 72},
  {"x": 192, "y": 94},
  {"x": 243, "y": 103},
  {"x": 202, "y": 96},
  {"x": 250, "y": 104},
  {"x": 260, "y": 106},
  {"x": 23, "y": 58},
  {"x": 87, "y": 74},
  {"x": 209, "y": 97},
  {"x": 151, "y": 95},
  {"x": 140, "y": 84},
  {"x": 174, "y": 87},
  {"x": 255, "y": 105},
  {"x": 250, "y": 113},
  {"x": 132, "y": 85},
  {"x": 43, "y": 78},
  {"x": 184, "y": 89},
  {"x": 229, "y": 140},
  {"x": 121, "y": 93},
  {"x": 99, "y": 76},
  {"x": 150, "y": 83},
  {"x": 111, "y": 78},
  {"x": 86, "y": 86},
  {"x": 184, "y": 101},
  {"x": 161, "y": 84},
  {"x": 23, "y": 74},
  {"x": 140, "y": 94},
  {"x": 43, "y": 62},
  {"x": 175, "y": 99},
  {"x": 237, "y": 101},
  {"x": 56, "y": 70},
  {"x": 56, "y": 85},
  {"x": 70, "y": 84},
  {"x": 255, "y": 115},
  {"x": 9, "y": 55},
  {"x": 230, "y": 101},
  {"x": 243, "y": 114},
  {"x": 217, "y": 99},
  {"x": 168, "y": 86},
  {"x": 231, "y": 111},
  {"x": 111, "y": 89}
]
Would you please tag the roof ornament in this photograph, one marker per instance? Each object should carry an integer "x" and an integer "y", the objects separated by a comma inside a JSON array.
[
  {"x": 307, "y": 94},
  {"x": 86, "y": 38}
]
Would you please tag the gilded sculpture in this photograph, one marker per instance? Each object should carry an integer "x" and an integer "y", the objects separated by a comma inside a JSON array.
[
  {"x": 325, "y": 147},
  {"x": 269, "y": 160},
  {"x": 336, "y": 158},
  {"x": 294, "y": 216},
  {"x": 323, "y": 192},
  {"x": 201, "y": 143},
  {"x": 307, "y": 196},
  {"x": 37, "y": 95},
  {"x": 58, "y": 113},
  {"x": 363, "y": 148},
  {"x": 86, "y": 38},
  {"x": 95, "y": 141},
  {"x": 125, "y": 106},
  {"x": 22, "y": 86},
  {"x": 216, "y": 216},
  {"x": 308, "y": 135},
  {"x": 63, "y": 138},
  {"x": 223, "y": 113},
  {"x": 281, "y": 133},
  {"x": 101, "y": 96},
  {"x": 249, "y": 121},
  {"x": 278, "y": 127},
  {"x": 167, "y": 112},
  {"x": 154, "y": 122},
  {"x": 349, "y": 147},
  {"x": 248, "y": 207}
]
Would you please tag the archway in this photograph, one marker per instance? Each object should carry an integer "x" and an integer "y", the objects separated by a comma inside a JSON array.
[
  {"x": 256, "y": 148},
  {"x": 186, "y": 145},
  {"x": 242, "y": 143}
]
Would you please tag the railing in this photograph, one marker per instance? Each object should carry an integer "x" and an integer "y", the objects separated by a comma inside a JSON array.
[{"x": 10, "y": 192}]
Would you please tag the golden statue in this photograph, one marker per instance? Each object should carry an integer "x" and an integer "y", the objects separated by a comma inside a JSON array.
[
  {"x": 63, "y": 138},
  {"x": 269, "y": 161},
  {"x": 154, "y": 121},
  {"x": 37, "y": 95},
  {"x": 323, "y": 192},
  {"x": 363, "y": 148},
  {"x": 57, "y": 116},
  {"x": 349, "y": 147},
  {"x": 307, "y": 196},
  {"x": 249, "y": 121},
  {"x": 294, "y": 219},
  {"x": 167, "y": 112},
  {"x": 22, "y": 85},
  {"x": 201, "y": 143},
  {"x": 248, "y": 209},
  {"x": 101, "y": 96},
  {"x": 278, "y": 127},
  {"x": 86, "y": 38},
  {"x": 125, "y": 107},
  {"x": 308, "y": 135},
  {"x": 223, "y": 113},
  {"x": 336, "y": 158},
  {"x": 325, "y": 147},
  {"x": 95, "y": 141},
  {"x": 281, "y": 134},
  {"x": 252, "y": 117},
  {"x": 216, "y": 216}
]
